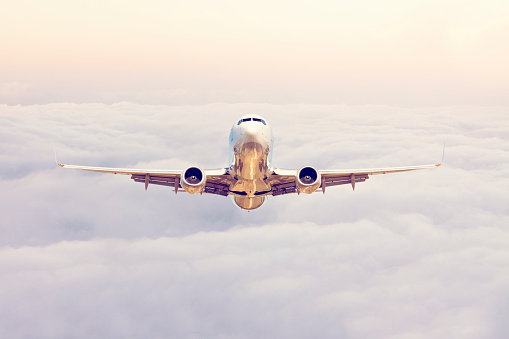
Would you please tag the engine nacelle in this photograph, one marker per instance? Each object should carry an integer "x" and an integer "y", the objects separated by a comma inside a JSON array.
[
  {"x": 308, "y": 180},
  {"x": 193, "y": 180}
]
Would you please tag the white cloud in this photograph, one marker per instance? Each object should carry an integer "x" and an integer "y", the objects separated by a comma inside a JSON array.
[
  {"x": 351, "y": 280},
  {"x": 419, "y": 254}
]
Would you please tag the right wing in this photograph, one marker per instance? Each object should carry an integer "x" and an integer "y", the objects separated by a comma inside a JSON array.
[
  {"x": 352, "y": 176},
  {"x": 218, "y": 180},
  {"x": 283, "y": 181}
]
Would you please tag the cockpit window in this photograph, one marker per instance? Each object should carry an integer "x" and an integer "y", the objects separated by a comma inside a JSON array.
[
  {"x": 251, "y": 119},
  {"x": 259, "y": 120},
  {"x": 243, "y": 120}
]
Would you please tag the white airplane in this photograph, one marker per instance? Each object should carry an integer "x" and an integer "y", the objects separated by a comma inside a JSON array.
[{"x": 250, "y": 177}]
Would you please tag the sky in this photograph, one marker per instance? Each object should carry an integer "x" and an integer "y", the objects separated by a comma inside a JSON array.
[
  {"x": 420, "y": 254},
  {"x": 395, "y": 52}
]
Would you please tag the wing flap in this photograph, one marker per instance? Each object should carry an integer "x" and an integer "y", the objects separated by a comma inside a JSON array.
[
  {"x": 343, "y": 180},
  {"x": 283, "y": 182},
  {"x": 215, "y": 184},
  {"x": 210, "y": 189},
  {"x": 156, "y": 180}
]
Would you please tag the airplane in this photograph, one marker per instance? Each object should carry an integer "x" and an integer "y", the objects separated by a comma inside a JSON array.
[{"x": 250, "y": 177}]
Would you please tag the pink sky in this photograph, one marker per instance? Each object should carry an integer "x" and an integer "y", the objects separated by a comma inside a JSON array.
[{"x": 192, "y": 52}]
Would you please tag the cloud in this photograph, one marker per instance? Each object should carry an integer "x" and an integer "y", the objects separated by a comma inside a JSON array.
[
  {"x": 420, "y": 254},
  {"x": 351, "y": 280}
]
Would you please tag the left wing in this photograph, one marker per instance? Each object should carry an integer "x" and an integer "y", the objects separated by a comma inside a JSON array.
[
  {"x": 218, "y": 180},
  {"x": 283, "y": 181}
]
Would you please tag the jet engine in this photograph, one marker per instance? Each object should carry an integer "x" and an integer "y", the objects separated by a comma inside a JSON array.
[
  {"x": 193, "y": 180},
  {"x": 308, "y": 180}
]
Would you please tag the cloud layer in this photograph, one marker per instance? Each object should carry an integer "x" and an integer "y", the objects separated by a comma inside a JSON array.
[
  {"x": 411, "y": 255},
  {"x": 347, "y": 280}
]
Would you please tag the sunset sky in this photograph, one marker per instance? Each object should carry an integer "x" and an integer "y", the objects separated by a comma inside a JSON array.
[
  {"x": 344, "y": 84},
  {"x": 194, "y": 52}
]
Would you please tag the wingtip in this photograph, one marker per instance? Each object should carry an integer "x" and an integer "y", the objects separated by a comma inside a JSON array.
[
  {"x": 55, "y": 153},
  {"x": 443, "y": 154},
  {"x": 443, "y": 157}
]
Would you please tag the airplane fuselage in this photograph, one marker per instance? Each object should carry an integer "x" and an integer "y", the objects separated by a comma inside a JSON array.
[{"x": 250, "y": 161}]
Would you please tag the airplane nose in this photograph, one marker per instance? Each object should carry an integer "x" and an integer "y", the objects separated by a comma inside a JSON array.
[
  {"x": 250, "y": 128},
  {"x": 252, "y": 134}
]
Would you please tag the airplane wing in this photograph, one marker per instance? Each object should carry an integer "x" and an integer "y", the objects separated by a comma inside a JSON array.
[
  {"x": 283, "y": 181},
  {"x": 218, "y": 180}
]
